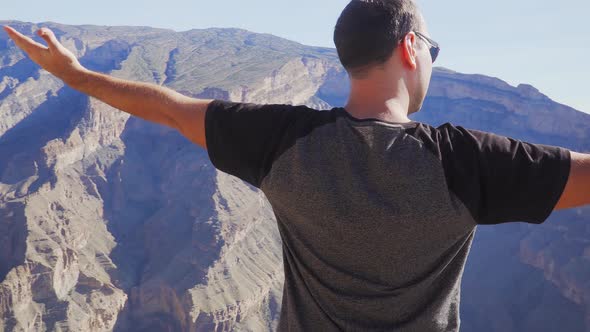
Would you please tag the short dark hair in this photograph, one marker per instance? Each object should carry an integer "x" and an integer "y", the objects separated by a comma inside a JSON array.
[{"x": 368, "y": 31}]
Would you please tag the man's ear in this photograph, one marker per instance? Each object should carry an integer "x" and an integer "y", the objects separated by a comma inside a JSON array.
[{"x": 408, "y": 49}]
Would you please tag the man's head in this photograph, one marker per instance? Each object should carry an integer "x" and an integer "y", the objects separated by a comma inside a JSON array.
[{"x": 376, "y": 40}]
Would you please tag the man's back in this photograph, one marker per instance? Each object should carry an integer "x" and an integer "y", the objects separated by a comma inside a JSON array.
[{"x": 377, "y": 218}]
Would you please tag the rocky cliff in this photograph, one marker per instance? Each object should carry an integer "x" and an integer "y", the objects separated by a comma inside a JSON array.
[{"x": 108, "y": 222}]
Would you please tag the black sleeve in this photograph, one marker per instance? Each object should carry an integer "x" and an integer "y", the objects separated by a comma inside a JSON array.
[
  {"x": 244, "y": 139},
  {"x": 501, "y": 179}
]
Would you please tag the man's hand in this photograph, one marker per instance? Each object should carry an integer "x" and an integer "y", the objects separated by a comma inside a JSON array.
[{"x": 54, "y": 58}]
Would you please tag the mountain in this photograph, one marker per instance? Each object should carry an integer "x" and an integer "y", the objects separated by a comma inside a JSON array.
[{"x": 109, "y": 222}]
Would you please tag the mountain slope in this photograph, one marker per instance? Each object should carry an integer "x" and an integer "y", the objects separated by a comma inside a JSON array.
[{"x": 111, "y": 222}]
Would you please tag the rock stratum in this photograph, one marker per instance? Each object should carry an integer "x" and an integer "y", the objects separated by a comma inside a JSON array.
[{"x": 109, "y": 222}]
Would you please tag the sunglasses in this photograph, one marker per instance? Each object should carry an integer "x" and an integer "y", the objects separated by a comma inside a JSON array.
[{"x": 434, "y": 48}]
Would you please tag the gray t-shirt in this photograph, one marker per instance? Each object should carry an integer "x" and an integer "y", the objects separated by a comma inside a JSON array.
[{"x": 377, "y": 218}]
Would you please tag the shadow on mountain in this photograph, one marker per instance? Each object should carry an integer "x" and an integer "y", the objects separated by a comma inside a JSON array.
[
  {"x": 335, "y": 88},
  {"x": 515, "y": 297},
  {"x": 21, "y": 154},
  {"x": 22, "y": 71},
  {"x": 162, "y": 248},
  {"x": 107, "y": 57},
  {"x": 13, "y": 235}
]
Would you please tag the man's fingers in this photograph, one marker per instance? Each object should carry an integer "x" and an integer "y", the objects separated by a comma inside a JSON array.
[
  {"x": 24, "y": 42},
  {"x": 49, "y": 37},
  {"x": 56, "y": 59}
]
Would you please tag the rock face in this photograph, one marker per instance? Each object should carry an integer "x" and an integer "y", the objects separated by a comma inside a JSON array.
[{"x": 109, "y": 222}]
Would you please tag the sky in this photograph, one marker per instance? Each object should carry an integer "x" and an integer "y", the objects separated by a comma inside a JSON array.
[{"x": 539, "y": 42}]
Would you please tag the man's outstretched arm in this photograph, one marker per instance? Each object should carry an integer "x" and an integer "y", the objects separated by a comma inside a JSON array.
[
  {"x": 149, "y": 101},
  {"x": 145, "y": 100},
  {"x": 577, "y": 188}
]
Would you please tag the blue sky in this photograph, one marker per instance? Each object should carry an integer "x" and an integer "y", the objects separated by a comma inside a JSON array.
[{"x": 539, "y": 42}]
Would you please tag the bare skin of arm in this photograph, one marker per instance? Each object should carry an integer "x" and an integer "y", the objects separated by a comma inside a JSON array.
[
  {"x": 150, "y": 102},
  {"x": 577, "y": 189},
  {"x": 145, "y": 100}
]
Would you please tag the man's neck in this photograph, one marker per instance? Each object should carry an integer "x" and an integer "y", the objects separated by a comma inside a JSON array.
[
  {"x": 383, "y": 94},
  {"x": 384, "y": 104}
]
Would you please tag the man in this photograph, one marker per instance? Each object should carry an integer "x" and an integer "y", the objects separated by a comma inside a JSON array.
[{"x": 376, "y": 212}]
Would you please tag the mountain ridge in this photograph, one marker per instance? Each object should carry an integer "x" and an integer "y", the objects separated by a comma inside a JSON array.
[{"x": 109, "y": 222}]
